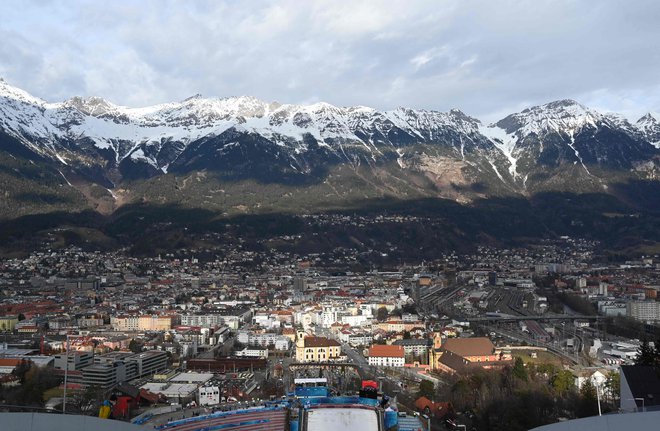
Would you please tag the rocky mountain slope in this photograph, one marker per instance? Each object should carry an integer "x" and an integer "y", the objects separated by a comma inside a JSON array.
[{"x": 241, "y": 154}]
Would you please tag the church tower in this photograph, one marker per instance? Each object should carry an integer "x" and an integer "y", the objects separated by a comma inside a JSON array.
[
  {"x": 437, "y": 340},
  {"x": 434, "y": 352},
  {"x": 300, "y": 338}
]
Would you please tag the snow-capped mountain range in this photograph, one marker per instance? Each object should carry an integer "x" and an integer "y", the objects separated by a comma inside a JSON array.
[{"x": 243, "y": 138}]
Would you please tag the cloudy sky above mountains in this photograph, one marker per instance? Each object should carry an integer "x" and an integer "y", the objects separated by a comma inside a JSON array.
[{"x": 488, "y": 58}]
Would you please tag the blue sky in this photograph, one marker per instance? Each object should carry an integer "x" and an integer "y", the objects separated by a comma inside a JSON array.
[{"x": 488, "y": 58}]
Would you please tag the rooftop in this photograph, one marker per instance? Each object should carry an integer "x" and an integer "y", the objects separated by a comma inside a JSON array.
[
  {"x": 478, "y": 346},
  {"x": 320, "y": 342},
  {"x": 386, "y": 351}
]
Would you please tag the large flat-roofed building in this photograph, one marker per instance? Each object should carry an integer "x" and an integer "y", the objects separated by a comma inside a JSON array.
[
  {"x": 179, "y": 392},
  {"x": 117, "y": 367},
  {"x": 112, "y": 357},
  {"x": 104, "y": 375},
  {"x": 192, "y": 377},
  {"x": 646, "y": 311},
  {"x": 77, "y": 360},
  {"x": 149, "y": 362}
]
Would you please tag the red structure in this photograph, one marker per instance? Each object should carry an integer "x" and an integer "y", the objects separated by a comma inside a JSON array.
[{"x": 431, "y": 408}]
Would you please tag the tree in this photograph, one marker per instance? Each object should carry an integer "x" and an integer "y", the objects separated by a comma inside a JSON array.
[
  {"x": 426, "y": 389},
  {"x": 588, "y": 404},
  {"x": 645, "y": 354},
  {"x": 613, "y": 386},
  {"x": 86, "y": 400},
  {"x": 563, "y": 381},
  {"x": 36, "y": 380},
  {"x": 134, "y": 346},
  {"x": 381, "y": 314},
  {"x": 519, "y": 371},
  {"x": 21, "y": 370}
]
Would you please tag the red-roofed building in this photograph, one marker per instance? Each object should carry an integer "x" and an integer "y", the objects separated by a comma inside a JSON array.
[
  {"x": 387, "y": 355},
  {"x": 7, "y": 365},
  {"x": 435, "y": 409}
]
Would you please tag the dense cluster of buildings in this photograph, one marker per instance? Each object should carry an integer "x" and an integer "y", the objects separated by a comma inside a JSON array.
[{"x": 130, "y": 320}]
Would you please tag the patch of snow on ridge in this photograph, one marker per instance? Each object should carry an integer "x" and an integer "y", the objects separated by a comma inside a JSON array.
[
  {"x": 399, "y": 159},
  {"x": 495, "y": 169},
  {"x": 504, "y": 142},
  {"x": 65, "y": 179},
  {"x": 577, "y": 154},
  {"x": 61, "y": 159}
]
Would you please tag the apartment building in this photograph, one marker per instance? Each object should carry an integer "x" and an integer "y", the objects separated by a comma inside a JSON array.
[
  {"x": 141, "y": 323},
  {"x": 203, "y": 320},
  {"x": 387, "y": 356},
  {"x": 77, "y": 360},
  {"x": 116, "y": 367},
  {"x": 646, "y": 311}
]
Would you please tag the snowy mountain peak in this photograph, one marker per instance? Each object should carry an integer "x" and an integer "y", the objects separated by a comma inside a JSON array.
[
  {"x": 561, "y": 116},
  {"x": 649, "y": 125},
  {"x": 94, "y": 106},
  {"x": 240, "y": 106},
  {"x": 462, "y": 116},
  {"x": 647, "y": 119},
  {"x": 150, "y": 140},
  {"x": 10, "y": 92},
  {"x": 561, "y": 109},
  {"x": 193, "y": 97},
  {"x": 561, "y": 104}
]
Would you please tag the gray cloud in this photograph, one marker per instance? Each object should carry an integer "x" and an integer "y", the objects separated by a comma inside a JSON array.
[{"x": 488, "y": 58}]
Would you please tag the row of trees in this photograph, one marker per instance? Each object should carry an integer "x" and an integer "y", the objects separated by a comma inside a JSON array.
[
  {"x": 34, "y": 382},
  {"x": 521, "y": 397},
  {"x": 39, "y": 383}
]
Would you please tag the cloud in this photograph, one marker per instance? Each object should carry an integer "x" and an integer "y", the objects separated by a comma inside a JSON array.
[{"x": 487, "y": 58}]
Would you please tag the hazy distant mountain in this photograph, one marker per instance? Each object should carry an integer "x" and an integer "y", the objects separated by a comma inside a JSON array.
[{"x": 241, "y": 154}]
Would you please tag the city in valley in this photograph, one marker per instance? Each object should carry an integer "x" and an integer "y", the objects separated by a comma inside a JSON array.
[
  {"x": 329, "y": 215},
  {"x": 159, "y": 341}
]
